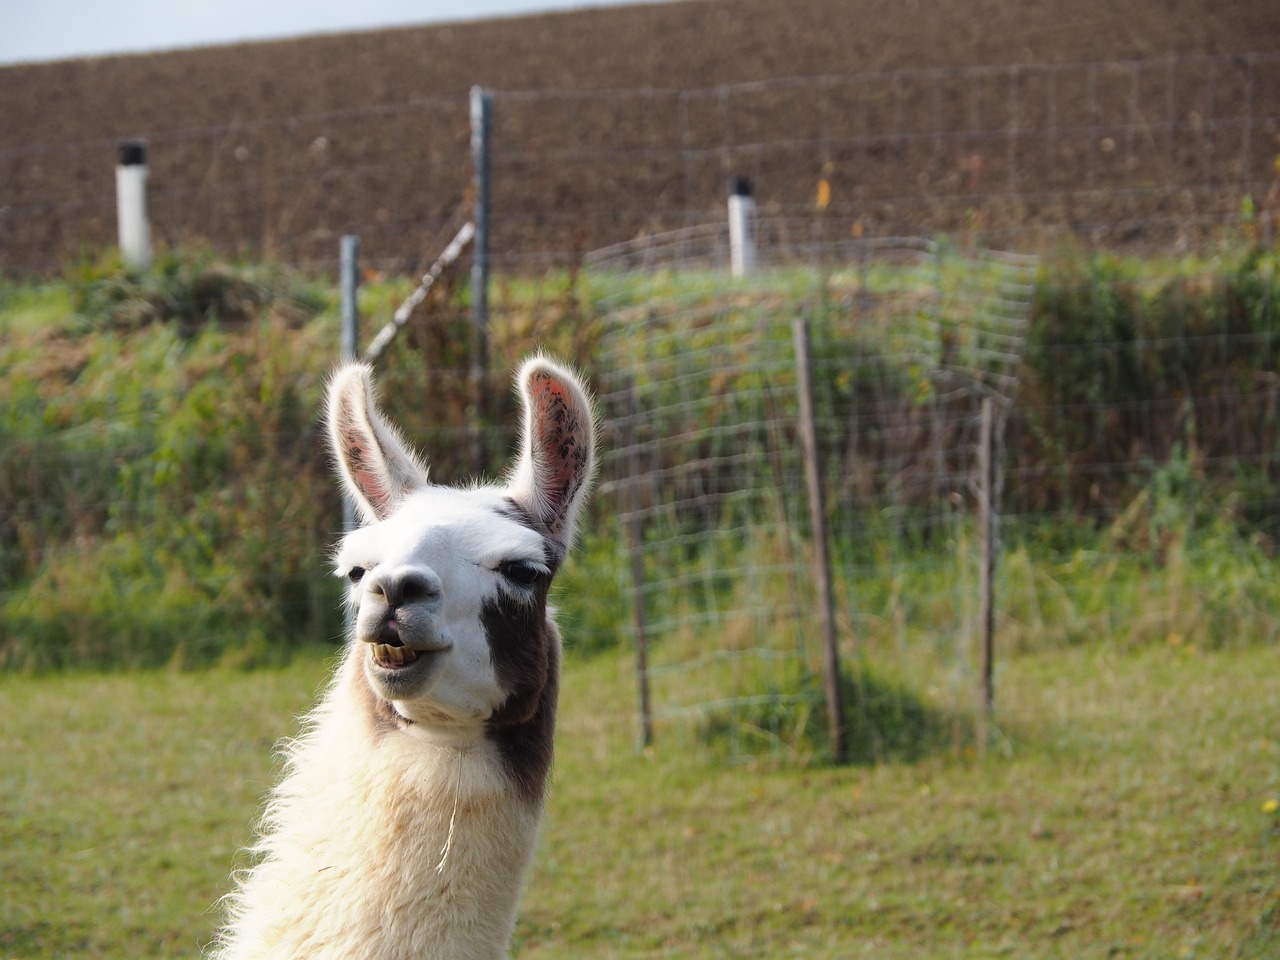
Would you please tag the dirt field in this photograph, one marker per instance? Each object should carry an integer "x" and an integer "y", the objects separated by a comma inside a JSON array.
[{"x": 279, "y": 147}]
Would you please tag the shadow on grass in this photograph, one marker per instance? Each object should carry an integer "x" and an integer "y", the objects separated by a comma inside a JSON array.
[
  {"x": 1264, "y": 940},
  {"x": 889, "y": 722},
  {"x": 886, "y": 721}
]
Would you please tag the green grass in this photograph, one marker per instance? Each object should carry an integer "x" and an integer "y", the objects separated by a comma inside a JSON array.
[
  {"x": 146, "y": 422},
  {"x": 1119, "y": 814},
  {"x": 125, "y": 799}
]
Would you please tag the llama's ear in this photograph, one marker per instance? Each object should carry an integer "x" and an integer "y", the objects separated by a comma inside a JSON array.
[
  {"x": 557, "y": 457},
  {"x": 376, "y": 466}
]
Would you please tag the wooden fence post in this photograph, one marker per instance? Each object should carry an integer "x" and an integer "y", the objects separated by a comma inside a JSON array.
[
  {"x": 635, "y": 533},
  {"x": 987, "y": 509},
  {"x": 818, "y": 520}
]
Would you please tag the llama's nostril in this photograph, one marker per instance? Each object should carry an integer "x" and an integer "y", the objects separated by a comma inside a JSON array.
[
  {"x": 417, "y": 587},
  {"x": 405, "y": 585}
]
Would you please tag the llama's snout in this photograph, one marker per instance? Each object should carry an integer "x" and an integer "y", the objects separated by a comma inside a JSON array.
[
  {"x": 398, "y": 614},
  {"x": 405, "y": 585}
]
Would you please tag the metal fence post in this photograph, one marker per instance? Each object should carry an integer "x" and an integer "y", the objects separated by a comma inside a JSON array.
[
  {"x": 348, "y": 264},
  {"x": 987, "y": 508},
  {"x": 348, "y": 267},
  {"x": 481, "y": 120}
]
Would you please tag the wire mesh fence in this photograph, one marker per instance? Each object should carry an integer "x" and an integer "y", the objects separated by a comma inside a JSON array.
[
  {"x": 1141, "y": 462},
  {"x": 707, "y": 468}
]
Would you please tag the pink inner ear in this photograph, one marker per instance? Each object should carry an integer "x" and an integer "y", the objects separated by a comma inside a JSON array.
[
  {"x": 367, "y": 476},
  {"x": 559, "y": 448}
]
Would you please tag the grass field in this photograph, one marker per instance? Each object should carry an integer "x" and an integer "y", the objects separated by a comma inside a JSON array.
[
  {"x": 1126, "y": 811},
  {"x": 1128, "y": 805}
]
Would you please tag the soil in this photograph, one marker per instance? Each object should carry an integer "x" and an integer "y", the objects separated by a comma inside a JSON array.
[{"x": 613, "y": 123}]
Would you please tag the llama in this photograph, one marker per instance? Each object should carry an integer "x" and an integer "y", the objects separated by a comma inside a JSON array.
[{"x": 408, "y": 809}]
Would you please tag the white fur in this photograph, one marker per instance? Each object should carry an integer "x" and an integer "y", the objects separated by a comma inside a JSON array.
[
  {"x": 354, "y": 834},
  {"x": 398, "y": 829}
]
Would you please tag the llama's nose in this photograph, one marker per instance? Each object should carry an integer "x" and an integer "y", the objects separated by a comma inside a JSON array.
[{"x": 400, "y": 586}]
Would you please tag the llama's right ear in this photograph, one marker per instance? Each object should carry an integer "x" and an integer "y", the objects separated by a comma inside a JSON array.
[{"x": 376, "y": 466}]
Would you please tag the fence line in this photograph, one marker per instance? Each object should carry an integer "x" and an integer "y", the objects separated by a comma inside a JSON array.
[
  {"x": 920, "y": 362},
  {"x": 924, "y": 345}
]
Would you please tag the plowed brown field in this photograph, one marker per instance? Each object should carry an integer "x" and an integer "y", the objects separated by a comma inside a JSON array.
[{"x": 279, "y": 147}]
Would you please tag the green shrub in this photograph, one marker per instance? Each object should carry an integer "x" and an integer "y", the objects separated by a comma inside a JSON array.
[
  {"x": 164, "y": 484},
  {"x": 1124, "y": 363}
]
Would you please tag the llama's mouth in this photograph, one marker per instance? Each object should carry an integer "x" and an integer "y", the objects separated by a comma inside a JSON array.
[
  {"x": 392, "y": 656},
  {"x": 393, "y": 647},
  {"x": 388, "y": 649}
]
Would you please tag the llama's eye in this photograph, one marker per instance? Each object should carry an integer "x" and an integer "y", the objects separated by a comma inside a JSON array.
[
  {"x": 521, "y": 572},
  {"x": 355, "y": 574}
]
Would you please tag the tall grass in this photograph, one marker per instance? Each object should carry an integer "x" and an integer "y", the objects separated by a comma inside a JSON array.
[
  {"x": 164, "y": 493},
  {"x": 160, "y": 471}
]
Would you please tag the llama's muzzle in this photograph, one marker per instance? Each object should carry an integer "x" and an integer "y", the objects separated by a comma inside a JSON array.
[{"x": 394, "y": 645}]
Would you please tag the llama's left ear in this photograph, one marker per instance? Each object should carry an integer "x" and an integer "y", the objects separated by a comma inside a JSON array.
[{"x": 557, "y": 458}]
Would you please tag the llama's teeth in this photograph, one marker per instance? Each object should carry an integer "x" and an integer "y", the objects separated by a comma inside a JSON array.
[{"x": 388, "y": 655}]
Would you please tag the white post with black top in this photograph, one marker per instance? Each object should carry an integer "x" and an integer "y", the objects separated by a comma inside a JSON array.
[
  {"x": 131, "y": 203},
  {"x": 742, "y": 228}
]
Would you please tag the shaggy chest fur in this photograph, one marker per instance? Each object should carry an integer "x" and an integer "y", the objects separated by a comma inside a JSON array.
[{"x": 358, "y": 858}]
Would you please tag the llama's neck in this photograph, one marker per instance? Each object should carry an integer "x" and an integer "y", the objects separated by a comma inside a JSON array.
[{"x": 388, "y": 842}]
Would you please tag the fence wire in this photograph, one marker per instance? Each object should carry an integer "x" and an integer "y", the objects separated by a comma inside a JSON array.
[{"x": 706, "y": 464}]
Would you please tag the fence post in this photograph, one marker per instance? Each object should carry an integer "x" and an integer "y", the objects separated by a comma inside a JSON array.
[
  {"x": 348, "y": 265},
  {"x": 131, "y": 203},
  {"x": 742, "y": 228},
  {"x": 481, "y": 119},
  {"x": 987, "y": 509},
  {"x": 818, "y": 520},
  {"x": 635, "y": 533}
]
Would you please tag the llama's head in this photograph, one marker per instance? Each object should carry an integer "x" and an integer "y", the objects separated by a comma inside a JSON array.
[{"x": 449, "y": 585}]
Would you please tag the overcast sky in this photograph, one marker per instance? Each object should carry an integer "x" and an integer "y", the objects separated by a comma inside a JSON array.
[{"x": 62, "y": 29}]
